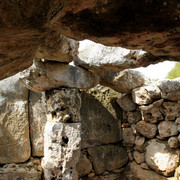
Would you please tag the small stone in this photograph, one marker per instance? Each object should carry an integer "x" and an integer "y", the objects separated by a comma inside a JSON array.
[
  {"x": 133, "y": 128},
  {"x": 161, "y": 138},
  {"x": 128, "y": 137},
  {"x": 144, "y": 166},
  {"x": 105, "y": 173},
  {"x": 145, "y": 94},
  {"x": 173, "y": 142},
  {"x": 117, "y": 170},
  {"x": 126, "y": 103},
  {"x": 146, "y": 129},
  {"x": 167, "y": 129},
  {"x": 138, "y": 157},
  {"x": 130, "y": 155},
  {"x": 139, "y": 143},
  {"x": 133, "y": 117},
  {"x": 91, "y": 175},
  {"x": 177, "y": 121},
  {"x": 179, "y": 137}
]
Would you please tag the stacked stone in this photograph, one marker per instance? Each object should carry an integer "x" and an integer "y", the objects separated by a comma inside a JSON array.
[{"x": 151, "y": 126}]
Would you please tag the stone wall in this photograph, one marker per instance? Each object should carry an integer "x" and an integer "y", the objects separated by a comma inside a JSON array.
[{"x": 94, "y": 134}]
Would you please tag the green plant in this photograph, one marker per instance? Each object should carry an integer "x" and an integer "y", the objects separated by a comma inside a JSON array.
[{"x": 175, "y": 72}]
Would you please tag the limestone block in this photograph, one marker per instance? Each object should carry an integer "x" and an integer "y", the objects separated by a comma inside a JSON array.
[
  {"x": 152, "y": 113},
  {"x": 133, "y": 117},
  {"x": 28, "y": 171},
  {"x": 126, "y": 103},
  {"x": 146, "y": 94},
  {"x": 172, "y": 110},
  {"x": 138, "y": 157},
  {"x": 170, "y": 89},
  {"x": 84, "y": 166},
  {"x": 107, "y": 157},
  {"x": 139, "y": 143},
  {"x": 48, "y": 75},
  {"x": 14, "y": 126},
  {"x": 161, "y": 158},
  {"x": 146, "y": 129},
  {"x": 173, "y": 142},
  {"x": 37, "y": 119},
  {"x": 167, "y": 129},
  {"x": 128, "y": 137}
]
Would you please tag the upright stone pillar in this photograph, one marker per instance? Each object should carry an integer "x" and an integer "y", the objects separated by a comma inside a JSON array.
[{"x": 62, "y": 136}]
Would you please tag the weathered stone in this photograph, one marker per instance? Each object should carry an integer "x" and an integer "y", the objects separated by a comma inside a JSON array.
[
  {"x": 167, "y": 129},
  {"x": 28, "y": 171},
  {"x": 48, "y": 75},
  {"x": 100, "y": 121},
  {"x": 107, "y": 157},
  {"x": 37, "y": 120},
  {"x": 57, "y": 47},
  {"x": 133, "y": 117},
  {"x": 112, "y": 176},
  {"x": 133, "y": 128},
  {"x": 124, "y": 81},
  {"x": 128, "y": 137},
  {"x": 173, "y": 142},
  {"x": 145, "y": 94},
  {"x": 177, "y": 121},
  {"x": 146, "y": 129},
  {"x": 138, "y": 157},
  {"x": 144, "y": 166},
  {"x": 84, "y": 166},
  {"x": 172, "y": 110},
  {"x": 14, "y": 125},
  {"x": 152, "y": 113},
  {"x": 160, "y": 157},
  {"x": 139, "y": 143},
  {"x": 170, "y": 89},
  {"x": 126, "y": 103},
  {"x": 96, "y": 56}
]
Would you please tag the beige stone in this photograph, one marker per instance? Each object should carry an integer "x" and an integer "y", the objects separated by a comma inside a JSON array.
[
  {"x": 161, "y": 158},
  {"x": 139, "y": 143},
  {"x": 146, "y": 129},
  {"x": 167, "y": 129},
  {"x": 146, "y": 94},
  {"x": 107, "y": 157},
  {"x": 14, "y": 125},
  {"x": 144, "y": 166},
  {"x": 138, "y": 157},
  {"x": 128, "y": 137},
  {"x": 173, "y": 142}
]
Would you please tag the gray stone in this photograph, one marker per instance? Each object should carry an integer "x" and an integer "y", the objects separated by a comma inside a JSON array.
[
  {"x": 48, "y": 75},
  {"x": 84, "y": 166},
  {"x": 14, "y": 125},
  {"x": 126, "y": 103},
  {"x": 128, "y": 137},
  {"x": 37, "y": 120},
  {"x": 146, "y": 94},
  {"x": 146, "y": 129},
  {"x": 138, "y": 157},
  {"x": 161, "y": 158},
  {"x": 167, "y": 129},
  {"x": 28, "y": 171},
  {"x": 170, "y": 89},
  {"x": 107, "y": 157},
  {"x": 173, "y": 142},
  {"x": 152, "y": 113},
  {"x": 133, "y": 117},
  {"x": 139, "y": 143}
]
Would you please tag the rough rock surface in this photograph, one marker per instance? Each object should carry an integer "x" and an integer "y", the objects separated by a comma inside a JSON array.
[
  {"x": 146, "y": 94},
  {"x": 146, "y": 129},
  {"x": 170, "y": 89},
  {"x": 37, "y": 121},
  {"x": 14, "y": 125},
  {"x": 100, "y": 121},
  {"x": 173, "y": 142},
  {"x": 139, "y": 143},
  {"x": 107, "y": 157},
  {"x": 152, "y": 113},
  {"x": 48, "y": 75},
  {"x": 124, "y": 81},
  {"x": 29, "y": 171},
  {"x": 161, "y": 158},
  {"x": 138, "y": 157},
  {"x": 126, "y": 103},
  {"x": 133, "y": 117},
  {"x": 167, "y": 129},
  {"x": 128, "y": 137}
]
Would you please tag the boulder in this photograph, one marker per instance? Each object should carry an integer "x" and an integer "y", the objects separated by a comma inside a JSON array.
[
  {"x": 14, "y": 124},
  {"x": 173, "y": 142},
  {"x": 138, "y": 157},
  {"x": 146, "y": 129},
  {"x": 126, "y": 103},
  {"x": 170, "y": 89},
  {"x": 167, "y": 129},
  {"x": 37, "y": 121},
  {"x": 48, "y": 75},
  {"x": 124, "y": 81},
  {"x": 29, "y": 170},
  {"x": 128, "y": 137},
  {"x": 153, "y": 112},
  {"x": 107, "y": 157},
  {"x": 84, "y": 166},
  {"x": 145, "y": 94},
  {"x": 161, "y": 158}
]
